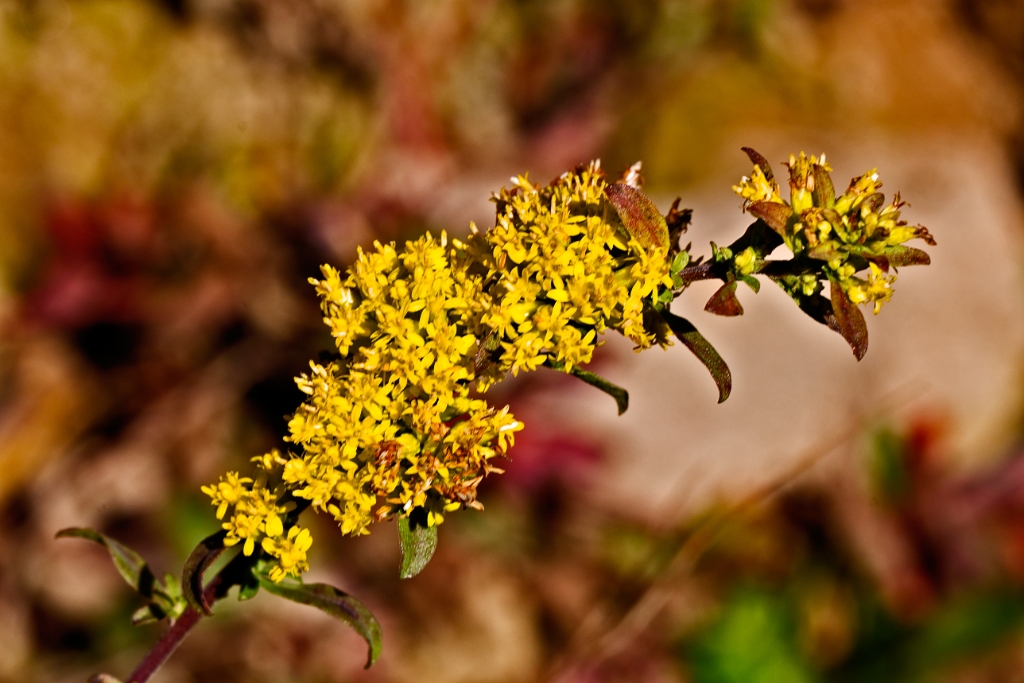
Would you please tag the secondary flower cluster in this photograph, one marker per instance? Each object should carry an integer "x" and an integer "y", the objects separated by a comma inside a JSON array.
[
  {"x": 391, "y": 426},
  {"x": 257, "y": 514},
  {"x": 853, "y": 233}
]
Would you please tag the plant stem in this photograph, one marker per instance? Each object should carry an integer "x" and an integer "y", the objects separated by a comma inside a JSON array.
[
  {"x": 234, "y": 573},
  {"x": 172, "y": 637}
]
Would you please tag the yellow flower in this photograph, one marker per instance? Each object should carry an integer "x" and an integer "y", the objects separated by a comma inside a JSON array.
[
  {"x": 290, "y": 553},
  {"x": 757, "y": 188},
  {"x": 227, "y": 492},
  {"x": 876, "y": 289}
]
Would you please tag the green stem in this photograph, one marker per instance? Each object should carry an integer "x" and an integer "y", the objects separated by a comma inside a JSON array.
[{"x": 620, "y": 395}]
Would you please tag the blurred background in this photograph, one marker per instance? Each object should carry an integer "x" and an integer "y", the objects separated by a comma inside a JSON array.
[{"x": 171, "y": 172}]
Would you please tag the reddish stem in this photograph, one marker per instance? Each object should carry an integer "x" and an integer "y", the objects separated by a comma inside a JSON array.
[{"x": 172, "y": 637}]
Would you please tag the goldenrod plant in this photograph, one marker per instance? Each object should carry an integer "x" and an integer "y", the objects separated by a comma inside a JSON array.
[{"x": 397, "y": 425}]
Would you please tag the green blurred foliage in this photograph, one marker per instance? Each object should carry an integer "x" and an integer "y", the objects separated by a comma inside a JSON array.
[{"x": 752, "y": 640}]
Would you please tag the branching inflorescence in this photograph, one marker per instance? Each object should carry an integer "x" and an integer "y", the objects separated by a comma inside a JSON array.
[{"x": 397, "y": 424}]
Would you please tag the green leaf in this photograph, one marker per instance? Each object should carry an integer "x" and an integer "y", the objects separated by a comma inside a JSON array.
[
  {"x": 208, "y": 550},
  {"x": 640, "y": 216},
  {"x": 759, "y": 161},
  {"x": 334, "y": 602},
  {"x": 850, "y": 320},
  {"x": 249, "y": 588},
  {"x": 147, "y": 614},
  {"x": 679, "y": 262},
  {"x": 824, "y": 192},
  {"x": 130, "y": 565},
  {"x": 705, "y": 352},
  {"x": 418, "y": 542},
  {"x": 751, "y": 282},
  {"x": 775, "y": 215},
  {"x": 168, "y": 598},
  {"x": 907, "y": 256},
  {"x": 620, "y": 395},
  {"x": 724, "y": 301}
]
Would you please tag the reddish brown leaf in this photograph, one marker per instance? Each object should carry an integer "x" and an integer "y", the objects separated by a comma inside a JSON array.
[
  {"x": 880, "y": 261},
  {"x": 202, "y": 556},
  {"x": 774, "y": 214},
  {"x": 850, "y": 320},
  {"x": 907, "y": 256},
  {"x": 640, "y": 216},
  {"x": 334, "y": 602},
  {"x": 705, "y": 352},
  {"x": 724, "y": 301},
  {"x": 759, "y": 161}
]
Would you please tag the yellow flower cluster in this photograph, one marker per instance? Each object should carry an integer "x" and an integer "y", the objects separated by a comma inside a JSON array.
[
  {"x": 853, "y": 233},
  {"x": 561, "y": 269},
  {"x": 257, "y": 514},
  {"x": 392, "y": 426}
]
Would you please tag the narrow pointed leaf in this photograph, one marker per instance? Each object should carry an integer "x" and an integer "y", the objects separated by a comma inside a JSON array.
[
  {"x": 640, "y": 216},
  {"x": 334, "y": 602},
  {"x": 824, "y": 192},
  {"x": 759, "y": 161},
  {"x": 130, "y": 565},
  {"x": 418, "y": 542},
  {"x": 208, "y": 550},
  {"x": 774, "y": 214},
  {"x": 724, "y": 301},
  {"x": 705, "y": 352},
  {"x": 850, "y": 321},
  {"x": 620, "y": 395},
  {"x": 907, "y": 256}
]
